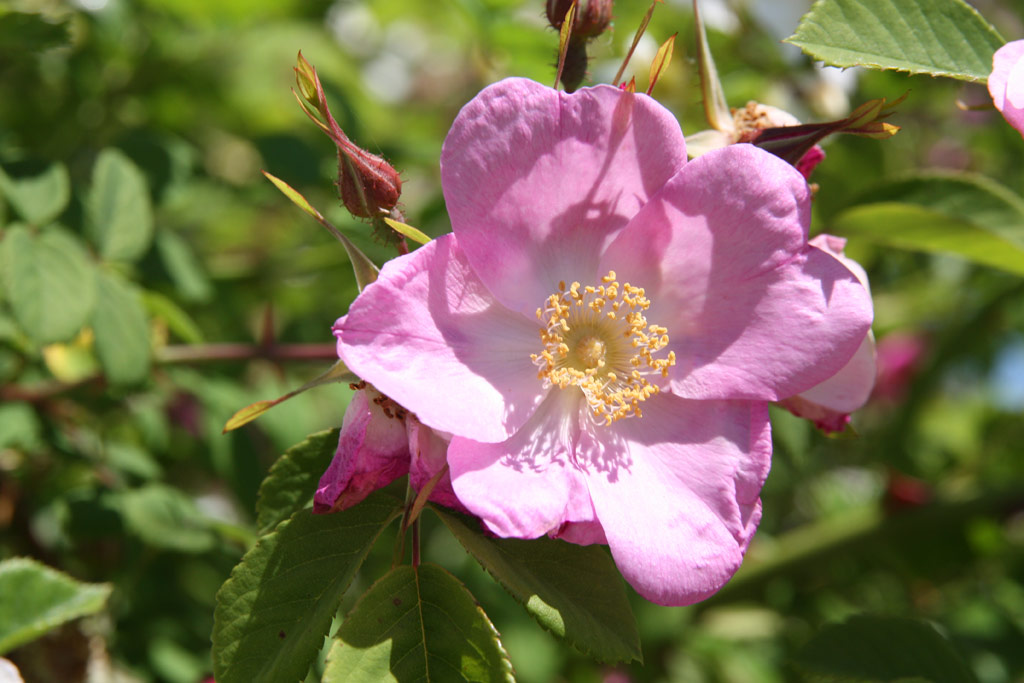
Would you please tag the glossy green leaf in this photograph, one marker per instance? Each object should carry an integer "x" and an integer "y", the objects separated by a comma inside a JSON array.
[
  {"x": 908, "y": 226},
  {"x": 937, "y": 37},
  {"x": 573, "y": 591},
  {"x": 35, "y": 598},
  {"x": 417, "y": 624},
  {"x": 292, "y": 480},
  {"x": 122, "y": 331},
  {"x": 164, "y": 517},
  {"x": 38, "y": 197},
  {"x": 120, "y": 215},
  {"x": 873, "y": 648},
  {"x": 50, "y": 282},
  {"x": 966, "y": 196},
  {"x": 274, "y": 611}
]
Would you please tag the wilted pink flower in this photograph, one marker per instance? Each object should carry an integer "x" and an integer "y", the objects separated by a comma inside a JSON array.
[
  {"x": 830, "y": 403},
  {"x": 603, "y": 329},
  {"x": 744, "y": 126},
  {"x": 379, "y": 443},
  {"x": 1006, "y": 83}
]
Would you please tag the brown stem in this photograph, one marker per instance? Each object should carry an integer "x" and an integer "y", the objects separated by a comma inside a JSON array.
[{"x": 181, "y": 353}]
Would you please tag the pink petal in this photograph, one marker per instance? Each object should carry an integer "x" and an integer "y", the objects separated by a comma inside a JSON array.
[
  {"x": 1006, "y": 83},
  {"x": 810, "y": 160},
  {"x": 581, "y": 533},
  {"x": 704, "y": 141},
  {"x": 849, "y": 389},
  {"x": 527, "y": 486},
  {"x": 752, "y": 311},
  {"x": 429, "y": 335},
  {"x": 429, "y": 451},
  {"x": 537, "y": 180},
  {"x": 677, "y": 492},
  {"x": 835, "y": 246},
  {"x": 823, "y": 418},
  {"x": 373, "y": 451}
]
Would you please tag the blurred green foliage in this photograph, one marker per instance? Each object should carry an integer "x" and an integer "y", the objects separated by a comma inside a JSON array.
[{"x": 113, "y": 467}]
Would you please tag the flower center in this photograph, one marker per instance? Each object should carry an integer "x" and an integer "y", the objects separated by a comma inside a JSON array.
[
  {"x": 590, "y": 351},
  {"x": 597, "y": 338}
]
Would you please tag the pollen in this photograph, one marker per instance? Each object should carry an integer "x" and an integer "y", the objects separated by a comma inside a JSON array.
[{"x": 597, "y": 338}]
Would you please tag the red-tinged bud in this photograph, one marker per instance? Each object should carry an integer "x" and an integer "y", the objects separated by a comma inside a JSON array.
[
  {"x": 369, "y": 186},
  {"x": 592, "y": 17}
]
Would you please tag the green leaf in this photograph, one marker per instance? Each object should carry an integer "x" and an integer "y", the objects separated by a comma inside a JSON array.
[
  {"x": 35, "y": 598},
  {"x": 573, "y": 591},
  {"x": 937, "y": 37},
  {"x": 122, "y": 331},
  {"x": 417, "y": 624},
  {"x": 872, "y": 648},
  {"x": 274, "y": 611},
  {"x": 22, "y": 35},
  {"x": 19, "y": 426},
  {"x": 184, "y": 268},
  {"x": 966, "y": 196},
  {"x": 40, "y": 197},
  {"x": 133, "y": 460},
  {"x": 164, "y": 517},
  {"x": 119, "y": 212},
  {"x": 178, "y": 321},
  {"x": 364, "y": 269},
  {"x": 407, "y": 230},
  {"x": 907, "y": 226},
  {"x": 292, "y": 480},
  {"x": 50, "y": 282},
  {"x": 716, "y": 109}
]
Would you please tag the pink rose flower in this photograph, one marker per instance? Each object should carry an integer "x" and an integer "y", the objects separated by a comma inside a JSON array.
[
  {"x": 830, "y": 403},
  {"x": 1006, "y": 83},
  {"x": 603, "y": 329}
]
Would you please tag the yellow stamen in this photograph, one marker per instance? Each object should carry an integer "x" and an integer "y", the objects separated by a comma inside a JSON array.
[{"x": 597, "y": 338}]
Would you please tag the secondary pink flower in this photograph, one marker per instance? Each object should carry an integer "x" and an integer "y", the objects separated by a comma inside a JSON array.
[
  {"x": 1006, "y": 83},
  {"x": 373, "y": 451},
  {"x": 379, "y": 443},
  {"x": 604, "y": 328},
  {"x": 744, "y": 126},
  {"x": 830, "y": 403}
]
